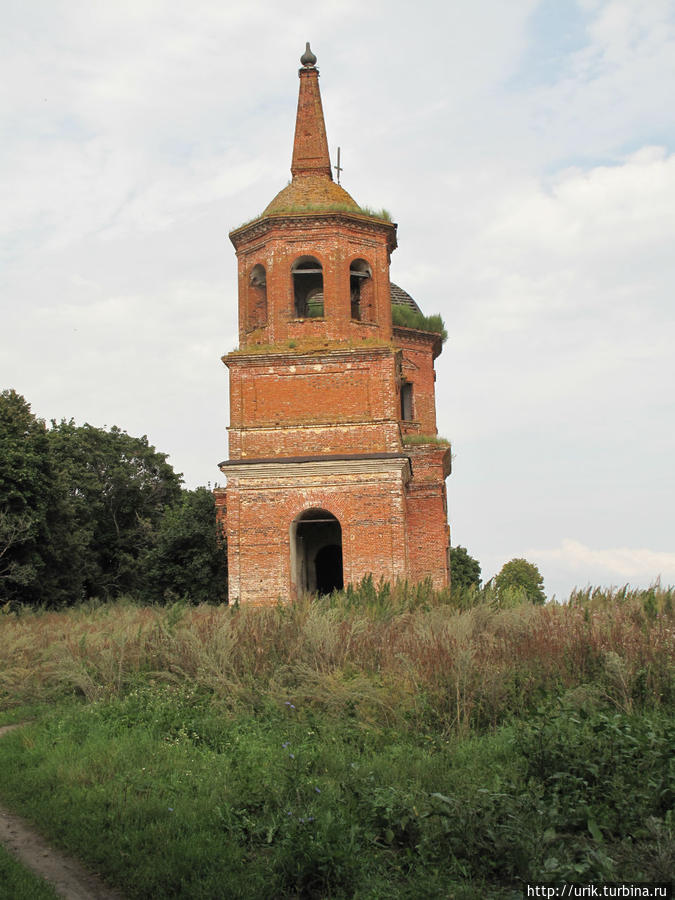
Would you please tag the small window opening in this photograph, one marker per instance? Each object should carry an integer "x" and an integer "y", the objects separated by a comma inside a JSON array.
[
  {"x": 257, "y": 297},
  {"x": 407, "y": 401},
  {"x": 360, "y": 290},
  {"x": 308, "y": 288}
]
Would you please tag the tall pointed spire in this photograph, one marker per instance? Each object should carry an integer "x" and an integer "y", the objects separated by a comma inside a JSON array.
[
  {"x": 312, "y": 188},
  {"x": 310, "y": 146}
]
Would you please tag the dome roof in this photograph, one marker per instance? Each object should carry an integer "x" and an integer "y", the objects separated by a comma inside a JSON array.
[
  {"x": 399, "y": 297},
  {"x": 311, "y": 193}
]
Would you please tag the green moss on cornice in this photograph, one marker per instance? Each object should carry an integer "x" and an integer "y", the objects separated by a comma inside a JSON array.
[
  {"x": 381, "y": 215},
  {"x": 413, "y": 440},
  {"x": 310, "y": 346}
]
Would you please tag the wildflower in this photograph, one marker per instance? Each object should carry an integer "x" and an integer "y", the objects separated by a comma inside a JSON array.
[
  {"x": 170, "y": 808},
  {"x": 318, "y": 790},
  {"x": 285, "y": 744},
  {"x": 291, "y": 755}
]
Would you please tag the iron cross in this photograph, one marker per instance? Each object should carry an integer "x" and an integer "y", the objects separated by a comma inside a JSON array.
[{"x": 338, "y": 168}]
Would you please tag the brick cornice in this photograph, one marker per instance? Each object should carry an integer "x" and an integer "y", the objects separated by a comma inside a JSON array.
[
  {"x": 415, "y": 336},
  {"x": 304, "y": 221},
  {"x": 294, "y": 357}
]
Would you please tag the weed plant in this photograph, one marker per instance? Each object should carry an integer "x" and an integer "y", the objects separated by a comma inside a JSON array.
[
  {"x": 171, "y": 795},
  {"x": 406, "y": 317},
  {"x": 386, "y": 740},
  {"x": 400, "y": 654}
]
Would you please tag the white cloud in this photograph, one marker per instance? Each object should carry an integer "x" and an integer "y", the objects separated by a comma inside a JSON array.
[
  {"x": 536, "y": 215},
  {"x": 618, "y": 564}
]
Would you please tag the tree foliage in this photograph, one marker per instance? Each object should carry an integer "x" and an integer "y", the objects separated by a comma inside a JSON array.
[
  {"x": 519, "y": 580},
  {"x": 188, "y": 558},
  {"x": 94, "y": 512},
  {"x": 25, "y": 488},
  {"x": 116, "y": 488},
  {"x": 464, "y": 569}
]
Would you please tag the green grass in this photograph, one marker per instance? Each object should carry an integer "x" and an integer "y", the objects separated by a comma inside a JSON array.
[
  {"x": 290, "y": 803},
  {"x": 18, "y": 883},
  {"x": 317, "y": 208},
  {"x": 411, "y": 440},
  {"x": 388, "y": 740},
  {"x": 405, "y": 317},
  {"x": 313, "y": 345}
]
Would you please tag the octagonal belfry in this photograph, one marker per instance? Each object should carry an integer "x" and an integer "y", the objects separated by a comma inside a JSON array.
[{"x": 335, "y": 470}]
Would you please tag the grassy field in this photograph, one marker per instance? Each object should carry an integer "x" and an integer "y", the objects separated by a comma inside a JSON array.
[{"x": 381, "y": 743}]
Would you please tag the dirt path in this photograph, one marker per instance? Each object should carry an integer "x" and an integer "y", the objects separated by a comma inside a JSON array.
[{"x": 68, "y": 876}]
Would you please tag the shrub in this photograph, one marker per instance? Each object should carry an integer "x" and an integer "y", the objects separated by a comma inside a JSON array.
[{"x": 519, "y": 580}]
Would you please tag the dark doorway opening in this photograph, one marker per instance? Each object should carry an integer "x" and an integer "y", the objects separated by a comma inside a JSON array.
[
  {"x": 328, "y": 567},
  {"x": 316, "y": 547}
]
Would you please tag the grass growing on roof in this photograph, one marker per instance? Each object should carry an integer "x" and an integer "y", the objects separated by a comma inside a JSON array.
[
  {"x": 414, "y": 439},
  {"x": 382, "y": 215},
  {"x": 311, "y": 346},
  {"x": 405, "y": 317}
]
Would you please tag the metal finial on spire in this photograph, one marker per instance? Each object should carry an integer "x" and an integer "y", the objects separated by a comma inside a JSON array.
[{"x": 308, "y": 58}]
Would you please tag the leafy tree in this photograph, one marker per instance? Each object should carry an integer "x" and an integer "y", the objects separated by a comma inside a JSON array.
[
  {"x": 25, "y": 489},
  {"x": 464, "y": 569},
  {"x": 88, "y": 511},
  {"x": 189, "y": 556},
  {"x": 115, "y": 488},
  {"x": 519, "y": 580}
]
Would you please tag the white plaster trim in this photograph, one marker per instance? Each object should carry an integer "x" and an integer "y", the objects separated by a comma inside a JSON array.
[{"x": 329, "y": 468}]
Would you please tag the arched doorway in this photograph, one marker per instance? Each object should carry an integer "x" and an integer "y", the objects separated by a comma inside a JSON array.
[{"x": 316, "y": 548}]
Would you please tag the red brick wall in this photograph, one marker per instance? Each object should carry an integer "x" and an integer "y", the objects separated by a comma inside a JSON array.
[
  {"x": 427, "y": 515},
  {"x": 278, "y": 402},
  {"x": 335, "y": 241},
  {"x": 328, "y": 386},
  {"x": 371, "y": 509},
  {"x": 417, "y": 367}
]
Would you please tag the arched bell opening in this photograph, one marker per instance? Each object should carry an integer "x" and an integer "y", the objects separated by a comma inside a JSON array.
[
  {"x": 316, "y": 552},
  {"x": 257, "y": 297},
  {"x": 307, "y": 274},
  {"x": 361, "y": 291}
]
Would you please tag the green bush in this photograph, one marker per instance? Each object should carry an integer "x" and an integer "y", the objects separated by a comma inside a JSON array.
[{"x": 519, "y": 580}]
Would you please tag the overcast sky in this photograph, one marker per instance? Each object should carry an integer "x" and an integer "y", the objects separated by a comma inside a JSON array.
[{"x": 527, "y": 152}]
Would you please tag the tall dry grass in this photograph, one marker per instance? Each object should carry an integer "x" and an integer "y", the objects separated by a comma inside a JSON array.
[{"x": 395, "y": 659}]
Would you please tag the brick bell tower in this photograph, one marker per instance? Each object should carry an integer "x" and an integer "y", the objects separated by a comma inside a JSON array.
[{"x": 335, "y": 470}]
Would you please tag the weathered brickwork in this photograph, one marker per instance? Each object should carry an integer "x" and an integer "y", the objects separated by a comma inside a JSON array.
[
  {"x": 323, "y": 483},
  {"x": 262, "y": 506},
  {"x": 418, "y": 351},
  {"x": 292, "y": 404},
  {"x": 335, "y": 240}
]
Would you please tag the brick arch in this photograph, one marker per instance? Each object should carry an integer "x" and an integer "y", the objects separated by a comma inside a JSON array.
[
  {"x": 361, "y": 290},
  {"x": 316, "y": 552},
  {"x": 307, "y": 281},
  {"x": 256, "y": 296}
]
